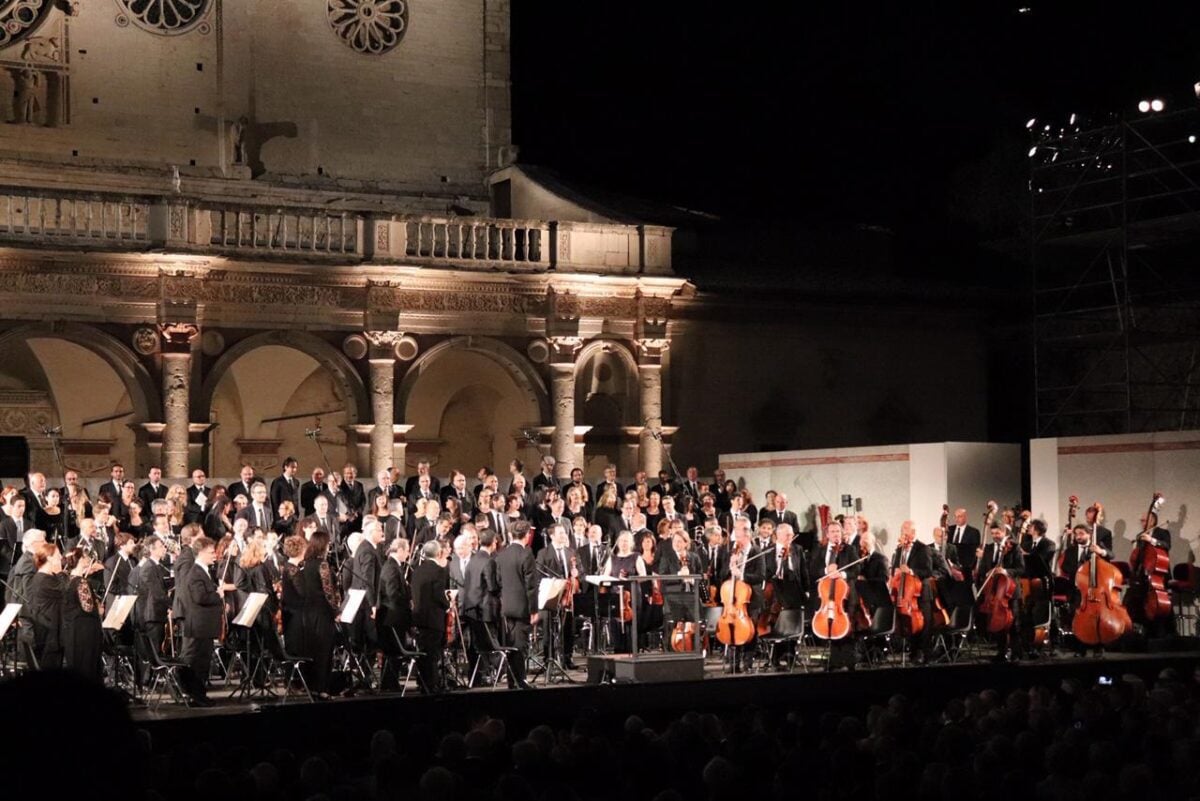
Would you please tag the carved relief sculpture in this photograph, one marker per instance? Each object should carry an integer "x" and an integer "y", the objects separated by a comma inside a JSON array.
[
  {"x": 164, "y": 17},
  {"x": 371, "y": 27}
]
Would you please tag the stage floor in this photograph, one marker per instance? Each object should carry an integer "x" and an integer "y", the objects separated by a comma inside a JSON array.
[{"x": 718, "y": 690}]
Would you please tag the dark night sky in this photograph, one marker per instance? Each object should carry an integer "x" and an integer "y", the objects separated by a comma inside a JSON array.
[{"x": 903, "y": 115}]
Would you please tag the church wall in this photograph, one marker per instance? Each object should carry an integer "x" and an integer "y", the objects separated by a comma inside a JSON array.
[{"x": 414, "y": 116}]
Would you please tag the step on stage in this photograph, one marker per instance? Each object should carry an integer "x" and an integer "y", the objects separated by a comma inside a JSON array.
[{"x": 815, "y": 692}]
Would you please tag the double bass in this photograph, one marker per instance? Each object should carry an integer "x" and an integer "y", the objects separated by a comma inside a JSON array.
[
  {"x": 1100, "y": 618},
  {"x": 1064, "y": 539},
  {"x": 1152, "y": 565}
]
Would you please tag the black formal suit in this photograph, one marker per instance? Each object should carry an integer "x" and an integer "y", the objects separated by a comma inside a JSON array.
[
  {"x": 721, "y": 499},
  {"x": 114, "y": 498},
  {"x": 678, "y": 595},
  {"x": 821, "y": 556},
  {"x": 790, "y": 577},
  {"x": 32, "y": 505},
  {"x": 286, "y": 489},
  {"x": 365, "y": 568},
  {"x": 691, "y": 488},
  {"x": 152, "y": 604},
  {"x": 193, "y": 511},
  {"x": 1039, "y": 561},
  {"x": 1011, "y": 559},
  {"x": 354, "y": 498},
  {"x": 416, "y": 495},
  {"x": 118, "y": 574},
  {"x": 251, "y": 515},
  {"x": 308, "y": 494},
  {"x": 541, "y": 480},
  {"x": 517, "y": 579},
  {"x": 429, "y": 584},
  {"x": 919, "y": 560},
  {"x": 967, "y": 542},
  {"x": 394, "y": 616},
  {"x": 466, "y": 502},
  {"x": 663, "y": 490},
  {"x": 393, "y": 527},
  {"x": 1074, "y": 555},
  {"x": 241, "y": 488},
  {"x": 10, "y": 543},
  {"x": 96, "y": 547},
  {"x": 413, "y": 483},
  {"x": 148, "y": 494},
  {"x": 200, "y": 626},
  {"x": 183, "y": 563}
]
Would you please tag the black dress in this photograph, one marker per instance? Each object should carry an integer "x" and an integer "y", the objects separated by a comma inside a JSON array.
[
  {"x": 82, "y": 636},
  {"x": 293, "y": 608},
  {"x": 46, "y": 610},
  {"x": 258, "y": 579},
  {"x": 321, "y": 603}
]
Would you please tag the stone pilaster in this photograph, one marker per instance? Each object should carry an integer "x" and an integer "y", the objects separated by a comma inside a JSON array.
[
  {"x": 382, "y": 360},
  {"x": 176, "y": 388},
  {"x": 562, "y": 398},
  {"x": 650, "y": 353}
]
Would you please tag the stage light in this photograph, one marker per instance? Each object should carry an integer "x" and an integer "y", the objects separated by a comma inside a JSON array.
[
  {"x": 1196, "y": 89},
  {"x": 1156, "y": 105},
  {"x": 1033, "y": 151},
  {"x": 1192, "y": 139},
  {"x": 1033, "y": 120},
  {"x": 1072, "y": 122},
  {"x": 1144, "y": 106}
]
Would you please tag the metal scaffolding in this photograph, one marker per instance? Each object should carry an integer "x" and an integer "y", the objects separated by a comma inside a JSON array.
[{"x": 1115, "y": 250}]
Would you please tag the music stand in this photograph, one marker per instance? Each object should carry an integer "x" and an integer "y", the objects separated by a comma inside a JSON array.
[
  {"x": 549, "y": 601},
  {"x": 6, "y": 620},
  {"x": 350, "y": 607},
  {"x": 245, "y": 619},
  {"x": 114, "y": 620}
]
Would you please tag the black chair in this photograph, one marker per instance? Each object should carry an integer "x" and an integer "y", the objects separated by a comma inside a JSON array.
[
  {"x": 406, "y": 660},
  {"x": 164, "y": 674},
  {"x": 788, "y": 628},
  {"x": 876, "y": 641},
  {"x": 292, "y": 670},
  {"x": 949, "y": 643},
  {"x": 504, "y": 654}
]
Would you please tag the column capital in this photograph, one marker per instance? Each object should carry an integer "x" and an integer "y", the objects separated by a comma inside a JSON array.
[
  {"x": 383, "y": 339},
  {"x": 564, "y": 349},
  {"x": 386, "y": 345},
  {"x": 651, "y": 350},
  {"x": 178, "y": 337}
]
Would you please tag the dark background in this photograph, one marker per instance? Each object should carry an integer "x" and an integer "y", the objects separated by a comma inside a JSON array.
[{"x": 904, "y": 119}]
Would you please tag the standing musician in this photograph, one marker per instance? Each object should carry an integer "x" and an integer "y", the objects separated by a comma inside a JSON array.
[
  {"x": 431, "y": 603},
  {"x": 150, "y": 611},
  {"x": 394, "y": 614},
  {"x": 1074, "y": 555},
  {"x": 1039, "y": 554},
  {"x": 365, "y": 568},
  {"x": 789, "y": 576},
  {"x": 558, "y": 561},
  {"x": 623, "y": 563},
  {"x": 478, "y": 602},
  {"x": 831, "y": 557},
  {"x": 966, "y": 539},
  {"x": 202, "y": 623},
  {"x": 914, "y": 558},
  {"x": 1139, "y": 585},
  {"x": 591, "y": 558},
  {"x": 517, "y": 578},
  {"x": 744, "y": 567},
  {"x": 714, "y": 555},
  {"x": 1093, "y": 515},
  {"x": 680, "y": 560},
  {"x": 1002, "y": 557}
]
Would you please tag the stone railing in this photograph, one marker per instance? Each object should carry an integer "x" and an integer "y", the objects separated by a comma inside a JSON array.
[{"x": 245, "y": 231}]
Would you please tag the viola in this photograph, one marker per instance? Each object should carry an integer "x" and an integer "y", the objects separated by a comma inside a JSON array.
[
  {"x": 1152, "y": 566},
  {"x": 735, "y": 627},
  {"x": 905, "y": 590}
]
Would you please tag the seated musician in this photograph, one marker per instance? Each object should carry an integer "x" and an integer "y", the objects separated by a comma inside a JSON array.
[
  {"x": 1139, "y": 585},
  {"x": 679, "y": 597},
  {"x": 1039, "y": 552},
  {"x": 1002, "y": 557},
  {"x": 832, "y": 557},
  {"x": 914, "y": 558},
  {"x": 1073, "y": 556},
  {"x": 790, "y": 579}
]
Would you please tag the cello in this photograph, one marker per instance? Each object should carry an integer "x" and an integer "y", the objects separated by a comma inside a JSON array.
[
  {"x": 905, "y": 590},
  {"x": 1100, "y": 618},
  {"x": 830, "y": 621},
  {"x": 1151, "y": 565},
  {"x": 995, "y": 594},
  {"x": 734, "y": 626}
]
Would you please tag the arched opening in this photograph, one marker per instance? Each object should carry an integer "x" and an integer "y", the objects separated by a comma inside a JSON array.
[
  {"x": 606, "y": 399},
  {"x": 80, "y": 379},
  {"x": 467, "y": 400}
]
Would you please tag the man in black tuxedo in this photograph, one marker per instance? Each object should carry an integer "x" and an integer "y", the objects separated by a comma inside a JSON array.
[
  {"x": 257, "y": 513},
  {"x": 546, "y": 477},
  {"x": 91, "y": 540},
  {"x": 1003, "y": 557},
  {"x": 352, "y": 497},
  {"x": 34, "y": 494},
  {"x": 112, "y": 489},
  {"x": 430, "y": 581},
  {"x": 150, "y": 609},
  {"x": 394, "y": 614},
  {"x": 12, "y": 529},
  {"x": 393, "y": 523},
  {"x": 517, "y": 579},
  {"x": 1102, "y": 535},
  {"x": 477, "y": 601},
  {"x": 789, "y": 577},
  {"x": 665, "y": 486},
  {"x": 414, "y": 481},
  {"x": 183, "y": 563},
  {"x": 691, "y": 484},
  {"x": 782, "y": 515},
  {"x": 118, "y": 569},
  {"x": 244, "y": 484},
  {"x": 199, "y": 498},
  {"x": 152, "y": 490},
  {"x": 384, "y": 485},
  {"x": 422, "y": 491},
  {"x": 1039, "y": 559},
  {"x": 286, "y": 487},
  {"x": 965, "y": 539},
  {"x": 555, "y": 562},
  {"x": 202, "y": 623},
  {"x": 457, "y": 488},
  {"x": 913, "y": 557},
  {"x": 679, "y": 596},
  {"x": 366, "y": 567},
  {"x": 609, "y": 483},
  {"x": 314, "y": 488}
]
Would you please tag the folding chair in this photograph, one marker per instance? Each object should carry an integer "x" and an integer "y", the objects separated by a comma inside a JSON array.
[
  {"x": 789, "y": 628},
  {"x": 949, "y": 643},
  {"x": 494, "y": 649},
  {"x": 164, "y": 674}
]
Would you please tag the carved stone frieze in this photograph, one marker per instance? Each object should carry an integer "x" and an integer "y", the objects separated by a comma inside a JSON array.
[{"x": 83, "y": 285}]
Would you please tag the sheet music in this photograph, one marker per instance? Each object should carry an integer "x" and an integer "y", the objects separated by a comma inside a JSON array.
[
  {"x": 118, "y": 611},
  {"x": 549, "y": 592},
  {"x": 7, "y": 617},
  {"x": 250, "y": 609},
  {"x": 354, "y": 600}
]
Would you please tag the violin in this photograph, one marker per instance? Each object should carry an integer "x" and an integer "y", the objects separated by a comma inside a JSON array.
[
  {"x": 1100, "y": 618},
  {"x": 1151, "y": 564}
]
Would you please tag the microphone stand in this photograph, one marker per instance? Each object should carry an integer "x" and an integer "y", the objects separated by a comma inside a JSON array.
[{"x": 54, "y": 435}]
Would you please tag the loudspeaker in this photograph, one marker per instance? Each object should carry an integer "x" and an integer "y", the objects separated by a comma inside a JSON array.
[
  {"x": 14, "y": 457},
  {"x": 645, "y": 668}
]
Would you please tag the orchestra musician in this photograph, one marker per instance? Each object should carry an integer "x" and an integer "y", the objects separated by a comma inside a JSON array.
[
  {"x": 150, "y": 611},
  {"x": 431, "y": 603},
  {"x": 745, "y": 567},
  {"x": 1002, "y": 557},
  {"x": 832, "y": 557},
  {"x": 517, "y": 579},
  {"x": 680, "y": 596},
  {"x": 965, "y": 538},
  {"x": 559, "y": 562},
  {"x": 395, "y": 608},
  {"x": 915, "y": 558},
  {"x": 789, "y": 575},
  {"x": 1074, "y": 555},
  {"x": 478, "y": 602},
  {"x": 320, "y": 602},
  {"x": 202, "y": 621},
  {"x": 81, "y": 633}
]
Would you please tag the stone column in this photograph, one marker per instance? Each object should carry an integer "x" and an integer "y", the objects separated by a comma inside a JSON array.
[
  {"x": 176, "y": 388},
  {"x": 650, "y": 353},
  {"x": 562, "y": 397},
  {"x": 382, "y": 359}
]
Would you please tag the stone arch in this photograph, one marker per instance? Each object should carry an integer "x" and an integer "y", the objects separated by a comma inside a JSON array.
[
  {"x": 607, "y": 399},
  {"x": 358, "y": 409},
  {"x": 141, "y": 386},
  {"x": 519, "y": 367}
]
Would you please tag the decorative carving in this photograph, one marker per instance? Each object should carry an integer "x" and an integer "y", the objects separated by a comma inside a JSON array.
[
  {"x": 652, "y": 349},
  {"x": 355, "y": 346},
  {"x": 177, "y": 222},
  {"x": 372, "y": 27},
  {"x": 20, "y": 18},
  {"x": 212, "y": 342},
  {"x": 383, "y": 339},
  {"x": 407, "y": 348},
  {"x": 383, "y": 233},
  {"x": 178, "y": 334},
  {"x": 163, "y": 17},
  {"x": 538, "y": 351},
  {"x": 564, "y": 247},
  {"x": 237, "y": 140},
  {"x": 145, "y": 341},
  {"x": 564, "y": 348}
]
